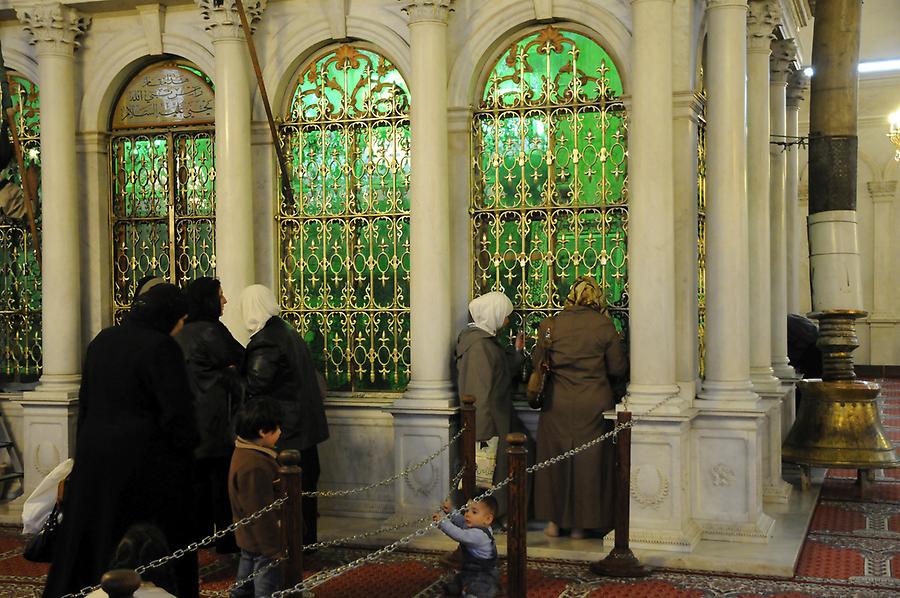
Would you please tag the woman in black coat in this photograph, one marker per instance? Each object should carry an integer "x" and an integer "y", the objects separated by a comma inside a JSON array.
[
  {"x": 212, "y": 357},
  {"x": 134, "y": 450},
  {"x": 277, "y": 365}
]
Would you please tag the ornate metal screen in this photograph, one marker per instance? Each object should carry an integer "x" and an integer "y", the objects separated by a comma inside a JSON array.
[
  {"x": 701, "y": 234},
  {"x": 344, "y": 241},
  {"x": 20, "y": 276},
  {"x": 549, "y": 195},
  {"x": 162, "y": 180}
]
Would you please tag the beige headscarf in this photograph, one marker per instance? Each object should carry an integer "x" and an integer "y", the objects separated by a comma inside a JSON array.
[
  {"x": 586, "y": 291},
  {"x": 490, "y": 311},
  {"x": 257, "y": 306}
]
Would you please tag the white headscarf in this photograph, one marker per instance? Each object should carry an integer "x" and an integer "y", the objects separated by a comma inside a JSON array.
[
  {"x": 490, "y": 311},
  {"x": 257, "y": 306}
]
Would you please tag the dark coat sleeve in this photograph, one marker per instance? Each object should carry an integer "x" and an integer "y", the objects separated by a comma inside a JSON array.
[
  {"x": 616, "y": 359},
  {"x": 263, "y": 363}
]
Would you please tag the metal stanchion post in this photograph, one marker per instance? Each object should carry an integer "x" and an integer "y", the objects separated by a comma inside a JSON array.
[
  {"x": 467, "y": 408},
  {"x": 291, "y": 517},
  {"x": 621, "y": 562},
  {"x": 516, "y": 520},
  {"x": 120, "y": 583}
]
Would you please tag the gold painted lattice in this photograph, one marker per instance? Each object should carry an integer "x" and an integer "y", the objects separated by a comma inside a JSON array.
[
  {"x": 20, "y": 276},
  {"x": 163, "y": 203},
  {"x": 549, "y": 192},
  {"x": 701, "y": 235},
  {"x": 344, "y": 239}
]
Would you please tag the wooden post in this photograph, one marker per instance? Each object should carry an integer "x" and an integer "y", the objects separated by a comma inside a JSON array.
[
  {"x": 289, "y": 474},
  {"x": 621, "y": 562},
  {"x": 516, "y": 517},
  {"x": 120, "y": 583},
  {"x": 467, "y": 408}
]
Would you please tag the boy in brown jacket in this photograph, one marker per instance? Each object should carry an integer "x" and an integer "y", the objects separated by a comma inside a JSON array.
[{"x": 250, "y": 488}]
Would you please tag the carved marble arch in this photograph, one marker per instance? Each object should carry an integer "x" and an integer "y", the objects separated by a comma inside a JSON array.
[
  {"x": 162, "y": 179},
  {"x": 549, "y": 193},
  {"x": 343, "y": 239},
  {"x": 20, "y": 275}
]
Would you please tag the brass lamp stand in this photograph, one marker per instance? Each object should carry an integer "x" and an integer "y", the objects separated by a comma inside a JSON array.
[{"x": 838, "y": 423}]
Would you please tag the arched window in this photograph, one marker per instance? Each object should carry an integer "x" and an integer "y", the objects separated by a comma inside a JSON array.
[
  {"x": 549, "y": 194},
  {"x": 162, "y": 177},
  {"x": 20, "y": 276},
  {"x": 343, "y": 241}
]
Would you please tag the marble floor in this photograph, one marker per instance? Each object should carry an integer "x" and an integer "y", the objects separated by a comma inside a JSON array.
[{"x": 778, "y": 558}]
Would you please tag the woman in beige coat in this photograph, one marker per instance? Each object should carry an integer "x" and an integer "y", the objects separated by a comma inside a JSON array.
[
  {"x": 584, "y": 348},
  {"x": 486, "y": 371}
]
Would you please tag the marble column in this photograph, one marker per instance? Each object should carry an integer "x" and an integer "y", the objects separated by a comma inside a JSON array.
[
  {"x": 762, "y": 18},
  {"x": 798, "y": 83},
  {"x": 430, "y": 293},
  {"x": 661, "y": 511},
  {"x": 234, "y": 176},
  {"x": 423, "y": 418},
  {"x": 728, "y": 435},
  {"x": 784, "y": 53},
  {"x": 651, "y": 261},
  {"x": 687, "y": 109},
  {"x": 883, "y": 319},
  {"x": 49, "y": 410},
  {"x": 727, "y": 381}
]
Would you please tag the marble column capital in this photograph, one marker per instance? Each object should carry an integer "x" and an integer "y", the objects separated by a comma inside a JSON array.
[
  {"x": 712, "y": 4},
  {"x": 762, "y": 18},
  {"x": 427, "y": 11},
  {"x": 224, "y": 23},
  {"x": 798, "y": 85},
  {"x": 54, "y": 27},
  {"x": 882, "y": 191},
  {"x": 784, "y": 53}
]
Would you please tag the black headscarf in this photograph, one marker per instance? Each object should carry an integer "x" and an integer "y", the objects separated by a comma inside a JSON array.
[
  {"x": 203, "y": 300},
  {"x": 159, "y": 308}
]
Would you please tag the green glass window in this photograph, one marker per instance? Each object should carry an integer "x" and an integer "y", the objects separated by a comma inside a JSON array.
[
  {"x": 162, "y": 173},
  {"x": 343, "y": 239},
  {"x": 20, "y": 275},
  {"x": 549, "y": 193}
]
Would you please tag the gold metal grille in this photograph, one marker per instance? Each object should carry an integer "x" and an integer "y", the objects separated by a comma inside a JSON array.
[
  {"x": 344, "y": 241},
  {"x": 20, "y": 276},
  {"x": 163, "y": 209},
  {"x": 162, "y": 179},
  {"x": 701, "y": 234},
  {"x": 549, "y": 185}
]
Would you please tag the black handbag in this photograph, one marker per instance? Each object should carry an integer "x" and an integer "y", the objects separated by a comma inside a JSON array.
[{"x": 39, "y": 548}]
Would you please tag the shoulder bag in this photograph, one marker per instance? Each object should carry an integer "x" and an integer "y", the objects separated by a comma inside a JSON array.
[{"x": 537, "y": 382}]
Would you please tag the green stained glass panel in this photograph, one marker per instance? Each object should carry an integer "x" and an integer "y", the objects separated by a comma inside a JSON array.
[
  {"x": 344, "y": 236},
  {"x": 549, "y": 195}
]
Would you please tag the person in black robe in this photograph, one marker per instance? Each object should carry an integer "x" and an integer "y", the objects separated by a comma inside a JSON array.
[
  {"x": 212, "y": 356},
  {"x": 134, "y": 451}
]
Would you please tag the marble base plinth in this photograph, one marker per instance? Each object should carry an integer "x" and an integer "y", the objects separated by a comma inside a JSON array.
[
  {"x": 728, "y": 477},
  {"x": 775, "y": 489},
  {"x": 49, "y": 416},
  {"x": 660, "y": 484},
  {"x": 420, "y": 429}
]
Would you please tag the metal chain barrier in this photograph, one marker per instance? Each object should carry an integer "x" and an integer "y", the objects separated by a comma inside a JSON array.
[
  {"x": 321, "y": 577},
  {"x": 193, "y": 547},
  {"x": 242, "y": 582},
  {"x": 384, "y": 530},
  {"x": 393, "y": 478},
  {"x": 591, "y": 443}
]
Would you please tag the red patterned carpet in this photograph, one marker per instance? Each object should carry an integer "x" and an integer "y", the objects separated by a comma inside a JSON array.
[{"x": 852, "y": 550}]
